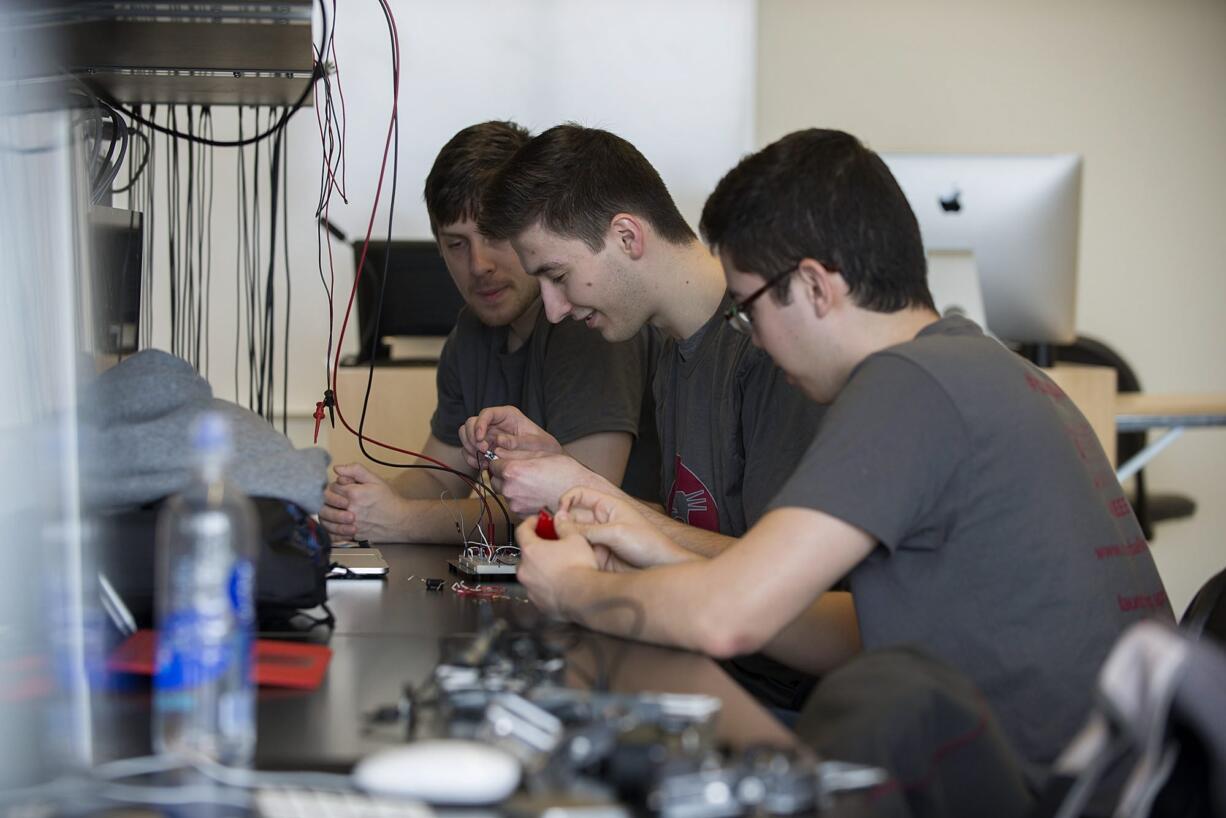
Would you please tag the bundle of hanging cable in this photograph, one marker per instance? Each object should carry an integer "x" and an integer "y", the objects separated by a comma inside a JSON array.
[
  {"x": 188, "y": 163},
  {"x": 332, "y": 136}
]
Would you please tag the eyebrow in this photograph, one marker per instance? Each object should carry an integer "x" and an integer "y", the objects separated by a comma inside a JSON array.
[{"x": 542, "y": 269}]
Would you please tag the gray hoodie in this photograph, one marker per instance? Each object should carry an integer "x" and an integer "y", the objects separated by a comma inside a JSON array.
[{"x": 135, "y": 423}]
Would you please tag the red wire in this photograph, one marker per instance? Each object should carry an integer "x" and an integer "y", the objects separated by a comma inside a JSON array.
[{"x": 387, "y": 145}]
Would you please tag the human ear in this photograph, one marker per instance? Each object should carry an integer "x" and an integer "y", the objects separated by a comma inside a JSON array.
[{"x": 627, "y": 232}]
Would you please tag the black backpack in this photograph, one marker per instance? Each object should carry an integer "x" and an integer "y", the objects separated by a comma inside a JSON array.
[{"x": 290, "y": 575}]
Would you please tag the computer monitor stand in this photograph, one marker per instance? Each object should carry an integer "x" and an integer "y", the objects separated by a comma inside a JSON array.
[
  {"x": 1039, "y": 354},
  {"x": 953, "y": 279}
]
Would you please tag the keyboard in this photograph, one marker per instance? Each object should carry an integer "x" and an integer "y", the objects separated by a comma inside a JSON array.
[{"x": 301, "y": 802}]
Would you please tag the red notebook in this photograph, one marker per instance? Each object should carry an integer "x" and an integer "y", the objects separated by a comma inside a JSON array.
[{"x": 277, "y": 664}]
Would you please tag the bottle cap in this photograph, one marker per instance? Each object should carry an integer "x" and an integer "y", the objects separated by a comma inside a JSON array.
[{"x": 211, "y": 436}]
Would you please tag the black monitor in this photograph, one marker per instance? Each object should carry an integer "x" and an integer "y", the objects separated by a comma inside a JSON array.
[
  {"x": 420, "y": 298},
  {"x": 116, "y": 253}
]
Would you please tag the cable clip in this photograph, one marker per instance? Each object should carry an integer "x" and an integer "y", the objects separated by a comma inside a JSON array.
[
  {"x": 330, "y": 401},
  {"x": 319, "y": 416}
]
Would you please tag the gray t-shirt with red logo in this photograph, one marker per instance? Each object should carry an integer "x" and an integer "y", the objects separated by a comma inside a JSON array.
[
  {"x": 1006, "y": 545},
  {"x": 731, "y": 430},
  {"x": 731, "y": 427},
  {"x": 566, "y": 379}
]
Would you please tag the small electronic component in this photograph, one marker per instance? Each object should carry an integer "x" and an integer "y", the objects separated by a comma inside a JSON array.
[
  {"x": 489, "y": 455},
  {"x": 544, "y": 526},
  {"x": 482, "y": 564}
]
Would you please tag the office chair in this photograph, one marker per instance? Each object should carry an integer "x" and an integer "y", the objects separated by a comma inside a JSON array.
[
  {"x": 1149, "y": 508},
  {"x": 1206, "y": 613}
]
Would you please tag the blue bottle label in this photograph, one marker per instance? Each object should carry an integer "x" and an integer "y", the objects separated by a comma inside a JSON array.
[
  {"x": 197, "y": 646},
  {"x": 191, "y": 650}
]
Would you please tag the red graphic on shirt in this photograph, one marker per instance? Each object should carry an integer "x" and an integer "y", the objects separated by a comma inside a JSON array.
[
  {"x": 1137, "y": 546},
  {"x": 1143, "y": 602},
  {"x": 1044, "y": 386},
  {"x": 689, "y": 500}
]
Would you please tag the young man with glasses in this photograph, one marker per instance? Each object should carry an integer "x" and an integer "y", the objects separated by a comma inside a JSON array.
[
  {"x": 950, "y": 481},
  {"x": 593, "y": 222}
]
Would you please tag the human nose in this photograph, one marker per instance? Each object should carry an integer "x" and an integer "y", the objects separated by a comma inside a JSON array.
[
  {"x": 482, "y": 260},
  {"x": 554, "y": 301}
]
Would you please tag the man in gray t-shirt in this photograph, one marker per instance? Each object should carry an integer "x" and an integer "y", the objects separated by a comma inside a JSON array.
[
  {"x": 965, "y": 495},
  {"x": 591, "y": 395},
  {"x": 988, "y": 495}
]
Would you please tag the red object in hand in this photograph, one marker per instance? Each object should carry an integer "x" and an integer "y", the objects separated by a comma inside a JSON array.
[{"x": 544, "y": 526}]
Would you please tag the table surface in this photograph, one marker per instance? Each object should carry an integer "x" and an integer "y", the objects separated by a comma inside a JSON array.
[
  {"x": 388, "y": 633},
  {"x": 1143, "y": 410}
]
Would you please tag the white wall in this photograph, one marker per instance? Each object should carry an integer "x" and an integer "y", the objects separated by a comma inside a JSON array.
[
  {"x": 1137, "y": 88},
  {"x": 674, "y": 78}
]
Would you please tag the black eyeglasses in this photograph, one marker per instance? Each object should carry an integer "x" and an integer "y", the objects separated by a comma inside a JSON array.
[{"x": 738, "y": 314}]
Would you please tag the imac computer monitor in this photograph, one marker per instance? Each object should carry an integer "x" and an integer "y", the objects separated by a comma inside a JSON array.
[
  {"x": 1018, "y": 216},
  {"x": 420, "y": 298}
]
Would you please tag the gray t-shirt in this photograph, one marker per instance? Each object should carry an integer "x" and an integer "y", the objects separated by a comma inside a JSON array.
[
  {"x": 565, "y": 378},
  {"x": 731, "y": 427},
  {"x": 1006, "y": 545},
  {"x": 731, "y": 430}
]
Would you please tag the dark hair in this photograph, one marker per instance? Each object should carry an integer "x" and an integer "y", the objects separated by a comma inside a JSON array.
[
  {"x": 822, "y": 195},
  {"x": 464, "y": 168},
  {"x": 573, "y": 180}
]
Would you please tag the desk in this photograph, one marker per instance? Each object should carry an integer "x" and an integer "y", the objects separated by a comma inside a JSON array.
[
  {"x": 1137, "y": 412},
  {"x": 387, "y": 634}
]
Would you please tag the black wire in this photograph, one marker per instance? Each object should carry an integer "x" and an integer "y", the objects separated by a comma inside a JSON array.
[
  {"x": 196, "y": 244},
  {"x": 200, "y": 227},
  {"x": 106, "y": 171},
  {"x": 238, "y": 256},
  {"x": 150, "y": 198},
  {"x": 133, "y": 177},
  {"x": 257, "y": 331},
  {"x": 207, "y": 113},
  {"x": 99, "y": 164},
  {"x": 248, "y": 295},
  {"x": 274, "y": 169},
  {"x": 378, "y": 318},
  {"x": 189, "y": 273},
  {"x": 317, "y": 71},
  {"x": 285, "y": 241},
  {"x": 172, "y": 187}
]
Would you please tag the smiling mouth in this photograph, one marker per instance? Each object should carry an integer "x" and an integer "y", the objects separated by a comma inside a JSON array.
[{"x": 490, "y": 294}]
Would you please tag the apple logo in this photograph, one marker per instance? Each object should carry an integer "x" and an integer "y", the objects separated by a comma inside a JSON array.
[{"x": 951, "y": 203}]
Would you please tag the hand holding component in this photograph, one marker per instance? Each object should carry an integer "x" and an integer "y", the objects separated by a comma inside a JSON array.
[
  {"x": 612, "y": 521},
  {"x": 503, "y": 427},
  {"x": 532, "y": 480},
  {"x": 546, "y": 567}
]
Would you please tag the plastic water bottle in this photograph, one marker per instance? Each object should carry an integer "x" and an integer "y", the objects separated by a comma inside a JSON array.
[{"x": 204, "y": 697}]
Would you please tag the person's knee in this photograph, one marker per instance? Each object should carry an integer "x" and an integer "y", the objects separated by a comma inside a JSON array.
[{"x": 927, "y": 725}]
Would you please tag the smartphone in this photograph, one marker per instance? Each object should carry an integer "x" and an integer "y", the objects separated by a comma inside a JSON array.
[{"x": 358, "y": 563}]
